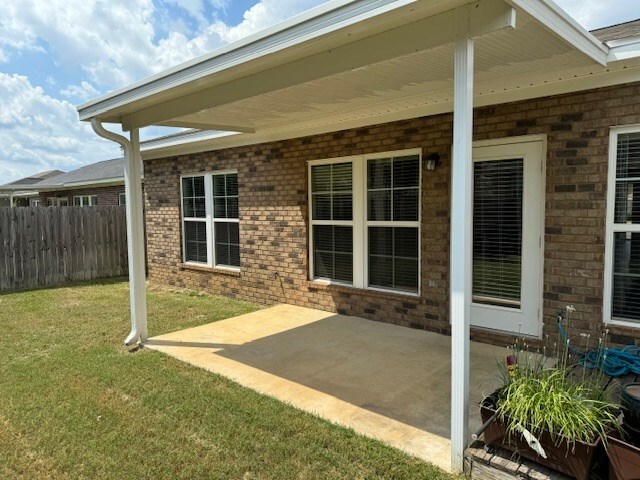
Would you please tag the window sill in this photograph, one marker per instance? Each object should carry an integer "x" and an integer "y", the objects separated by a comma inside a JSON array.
[
  {"x": 233, "y": 272},
  {"x": 341, "y": 287}
]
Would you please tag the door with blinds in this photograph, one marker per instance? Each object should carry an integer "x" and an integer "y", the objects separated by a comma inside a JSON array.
[{"x": 507, "y": 237}]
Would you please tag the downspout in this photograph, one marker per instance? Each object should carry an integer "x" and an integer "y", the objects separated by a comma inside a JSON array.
[{"x": 135, "y": 233}]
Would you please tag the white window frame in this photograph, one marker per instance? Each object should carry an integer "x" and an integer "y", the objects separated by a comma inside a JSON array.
[
  {"x": 92, "y": 200},
  {"x": 360, "y": 223},
  {"x": 612, "y": 228},
  {"x": 208, "y": 218}
]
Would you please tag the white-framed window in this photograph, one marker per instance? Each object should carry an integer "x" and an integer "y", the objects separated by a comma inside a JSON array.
[
  {"x": 85, "y": 200},
  {"x": 35, "y": 203},
  {"x": 622, "y": 251},
  {"x": 365, "y": 221},
  {"x": 210, "y": 219},
  {"x": 122, "y": 199},
  {"x": 57, "y": 202}
]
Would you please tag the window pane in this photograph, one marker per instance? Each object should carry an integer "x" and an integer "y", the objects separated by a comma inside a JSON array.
[
  {"x": 331, "y": 186},
  {"x": 379, "y": 205},
  {"x": 232, "y": 207},
  {"x": 187, "y": 187},
  {"x": 626, "y": 276},
  {"x": 406, "y": 171},
  {"x": 321, "y": 207},
  {"x": 93, "y": 200},
  {"x": 627, "y": 203},
  {"x": 628, "y": 156},
  {"x": 393, "y": 258},
  {"x": 405, "y": 242},
  {"x": 342, "y": 207},
  {"x": 199, "y": 207},
  {"x": 77, "y": 201},
  {"x": 405, "y": 205},
  {"x": 219, "y": 186},
  {"x": 232, "y": 184},
  {"x": 333, "y": 252},
  {"x": 379, "y": 173},
  {"x": 219, "y": 208},
  {"x": 497, "y": 231},
  {"x": 195, "y": 234},
  {"x": 193, "y": 199},
  {"x": 227, "y": 244},
  {"x": 321, "y": 178}
]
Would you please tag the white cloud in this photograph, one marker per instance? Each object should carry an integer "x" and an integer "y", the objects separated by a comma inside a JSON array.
[
  {"x": 81, "y": 92},
  {"x": 38, "y": 132}
]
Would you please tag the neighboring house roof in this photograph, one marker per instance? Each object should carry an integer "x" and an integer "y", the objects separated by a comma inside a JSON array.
[
  {"x": 38, "y": 177},
  {"x": 619, "y": 31},
  {"x": 106, "y": 171},
  {"x": 94, "y": 174}
]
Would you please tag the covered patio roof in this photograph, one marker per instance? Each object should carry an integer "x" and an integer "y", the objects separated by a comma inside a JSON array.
[{"x": 353, "y": 63}]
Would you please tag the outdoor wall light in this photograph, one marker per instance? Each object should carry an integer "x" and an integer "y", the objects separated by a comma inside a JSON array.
[{"x": 432, "y": 161}]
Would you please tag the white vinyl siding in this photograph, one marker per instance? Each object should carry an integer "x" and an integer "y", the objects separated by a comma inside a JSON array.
[
  {"x": 210, "y": 219},
  {"x": 622, "y": 285},
  {"x": 365, "y": 221}
]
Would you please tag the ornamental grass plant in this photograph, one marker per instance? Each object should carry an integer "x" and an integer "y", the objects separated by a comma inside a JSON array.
[{"x": 541, "y": 395}]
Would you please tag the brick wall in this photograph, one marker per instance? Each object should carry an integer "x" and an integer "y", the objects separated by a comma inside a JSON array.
[
  {"x": 274, "y": 211},
  {"x": 106, "y": 195}
]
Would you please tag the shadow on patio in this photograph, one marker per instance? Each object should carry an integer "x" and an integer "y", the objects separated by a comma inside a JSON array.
[{"x": 388, "y": 382}]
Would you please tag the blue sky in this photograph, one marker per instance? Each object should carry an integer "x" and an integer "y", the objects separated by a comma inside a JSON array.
[{"x": 56, "y": 54}]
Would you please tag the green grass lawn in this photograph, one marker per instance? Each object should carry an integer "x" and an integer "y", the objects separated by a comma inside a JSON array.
[{"x": 75, "y": 403}]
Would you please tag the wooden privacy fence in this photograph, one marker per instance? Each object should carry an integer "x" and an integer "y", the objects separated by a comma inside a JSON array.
[{"x": 41, "y": 246}]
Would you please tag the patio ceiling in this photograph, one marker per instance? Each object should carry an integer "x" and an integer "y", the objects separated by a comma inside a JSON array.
[{"x": 371, "y": 65}]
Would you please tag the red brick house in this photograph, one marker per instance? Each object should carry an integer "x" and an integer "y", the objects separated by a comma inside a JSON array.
[
  {"x": 462, "y": 167},
  {"x": 100, "y": 183}
]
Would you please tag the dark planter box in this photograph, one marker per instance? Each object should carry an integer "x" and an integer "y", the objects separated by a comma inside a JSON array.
[
  {"x": 575, "y": 460},
  {"x": 624, "y": 459}
]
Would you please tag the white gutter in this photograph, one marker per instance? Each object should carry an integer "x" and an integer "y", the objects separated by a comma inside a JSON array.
[
  {"x": 624, "y": 49},
  {"x": 135, "y": 233}
]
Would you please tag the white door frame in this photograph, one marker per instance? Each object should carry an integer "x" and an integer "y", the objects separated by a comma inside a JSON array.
[{"x": 488, "y": 316}]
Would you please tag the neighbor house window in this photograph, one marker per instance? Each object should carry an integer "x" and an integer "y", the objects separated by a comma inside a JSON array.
[
  {"x": 622, "y": 288},
  {"x": 365, "y": 214},
  {"x": 85, "y": 200},
  {"x": 210, "y": 218},
  {"x": 57, "y": 202},
  {"x": 122, "y": 199}
]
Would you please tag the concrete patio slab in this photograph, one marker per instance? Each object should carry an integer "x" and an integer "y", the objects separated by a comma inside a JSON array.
[{"x": 387, "y": 382}]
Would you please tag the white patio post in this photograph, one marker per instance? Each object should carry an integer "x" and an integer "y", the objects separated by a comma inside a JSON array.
[
  {"x": 135, "y": 239},
  {"x": 11, "y": 199},
  {"x": 461, "y": 208}
]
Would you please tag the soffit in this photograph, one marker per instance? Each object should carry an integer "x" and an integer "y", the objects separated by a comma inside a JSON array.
[{"x": 506, "y": 60}]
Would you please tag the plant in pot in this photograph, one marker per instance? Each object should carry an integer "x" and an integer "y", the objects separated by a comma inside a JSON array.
[{"x": 544, "y": 414}]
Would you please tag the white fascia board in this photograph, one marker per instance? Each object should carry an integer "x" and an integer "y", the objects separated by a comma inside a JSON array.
[
  {"x": 559, "y": 22},
  {"x": 315, "y": 23},
  {"x": 624, "y": 49}
]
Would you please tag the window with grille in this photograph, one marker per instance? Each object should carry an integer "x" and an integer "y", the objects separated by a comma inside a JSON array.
[
  {"x": 85, "y": 200},
  {"x": 365, "y": 218},
  {"x": 622, "y": 292},
  {"x": 210, "y": 217}
]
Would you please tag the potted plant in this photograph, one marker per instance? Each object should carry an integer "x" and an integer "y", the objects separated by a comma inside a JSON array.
[{"x": 545, "y": 415}]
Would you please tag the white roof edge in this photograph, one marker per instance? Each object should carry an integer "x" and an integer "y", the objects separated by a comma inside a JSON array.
[
  {"x": 313, "y": 23},
  {"x": 624, "y": 49},
  {"x": 556, "y": 19}
]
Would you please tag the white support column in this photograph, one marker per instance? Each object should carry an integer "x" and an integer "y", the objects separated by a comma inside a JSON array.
[
  {"x": 11, "y": 199},
  {"x": 135, "y": 239},
  {"x": 461, "y": 216}
]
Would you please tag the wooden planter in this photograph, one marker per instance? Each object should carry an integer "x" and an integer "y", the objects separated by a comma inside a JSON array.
[
  {"x": 624, "y": 459},
  {"x": 575, "y": 460}
]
